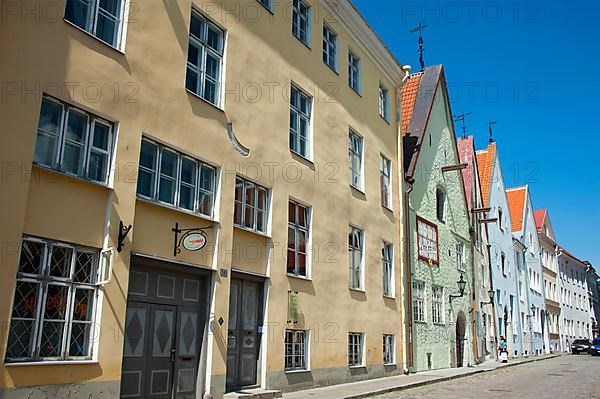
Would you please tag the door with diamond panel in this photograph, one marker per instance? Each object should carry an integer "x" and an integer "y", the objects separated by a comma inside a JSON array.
[
  {"x": 243, "y": 339},
  {"x": 163, "y": 334}
]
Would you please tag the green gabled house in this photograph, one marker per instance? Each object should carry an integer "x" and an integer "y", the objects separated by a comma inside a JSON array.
[{"x": 438, "y": 275}]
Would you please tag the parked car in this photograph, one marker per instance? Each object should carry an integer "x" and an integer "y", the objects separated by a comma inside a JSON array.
[
  {"x": 580, "y": 345},
  {"x": 595, "y": 348}
]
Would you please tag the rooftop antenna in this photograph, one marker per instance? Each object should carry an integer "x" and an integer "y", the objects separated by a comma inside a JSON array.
[
  {"x": 461, "y": 118},
  {"x": 491, "y": 124},
  {"x": 419, "y": 28}
]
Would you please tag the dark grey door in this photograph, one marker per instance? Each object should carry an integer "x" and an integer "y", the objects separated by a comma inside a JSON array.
[
  {"x": 163, "y": 334},
  {"x": 243, "y": 340}
]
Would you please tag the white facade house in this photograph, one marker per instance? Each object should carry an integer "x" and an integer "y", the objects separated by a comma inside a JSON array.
[
  {"x": 576, "y": 312},
  {"x": 524, "y": 229},
  {"x": 503, "y": 262}
]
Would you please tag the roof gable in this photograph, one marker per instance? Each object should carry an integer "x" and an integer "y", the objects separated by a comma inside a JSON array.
[
  {"x": 540, "y": 217},
  {"x": 416, "y": 110},
  {"x": 485, "y": 165},
  {"x": 516, "y": 204}
]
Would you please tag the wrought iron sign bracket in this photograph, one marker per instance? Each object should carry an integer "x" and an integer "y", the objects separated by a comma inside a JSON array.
[
  {"x": 123, "y": 231},
  {"x": 182, "y": 234}
]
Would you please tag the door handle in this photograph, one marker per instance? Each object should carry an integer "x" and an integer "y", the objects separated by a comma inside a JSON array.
[
  {"x": 186, "y": 358},
  {"x": 173, "y": 355}
]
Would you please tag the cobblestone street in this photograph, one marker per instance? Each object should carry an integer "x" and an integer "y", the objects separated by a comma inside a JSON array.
[{"x": 565, "y": 377}]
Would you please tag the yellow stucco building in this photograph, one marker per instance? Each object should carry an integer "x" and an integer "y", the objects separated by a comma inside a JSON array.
[{"x": 197, "y": 197}]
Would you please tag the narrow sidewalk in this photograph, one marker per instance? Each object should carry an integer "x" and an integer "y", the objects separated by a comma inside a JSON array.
[{"x": 363, "y": 389}]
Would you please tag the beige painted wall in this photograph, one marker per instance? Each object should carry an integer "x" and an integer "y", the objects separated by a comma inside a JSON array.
[{"x": 142, "y": 90}]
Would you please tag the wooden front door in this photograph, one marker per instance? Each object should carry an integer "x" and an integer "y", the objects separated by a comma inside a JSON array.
[
  {"x": 243, "y": 339},
  {"x": 163, "y": 334}
]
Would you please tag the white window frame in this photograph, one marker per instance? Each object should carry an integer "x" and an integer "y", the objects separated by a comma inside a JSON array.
[
  {"x": 247, "y": 184},
  {"x": 354, "y": 72},
  {"x": 419, "y": 302},
  {"x": 384, "y": 102},
  {"x": 386, "y": 182},
  {"x": 298, "y": 18},
  {"x": 43, "y": 279},
  {"x": 295, "y": 346},
  {"x": 356, "y": 270},
  {"x": 427, "y": 232},
  {"x": 356, "y": 177},
  {"x": 60, "y": 142},
  {"x": 389, "y": 286},
  {"x": 204, "y": 51},
  {"x": 296, "y": 228},
  {"x": 330, "y": 45},
  {"x": 356, "y": 358},
  {"x": 91, "y": 24},
  {"x": 389, "y": 349},
  {"x": 298, "y": 116},
  {"x": 437, "y": 305},
  {"x": 461, "y": 260},
  {"x": 155, "y": 195}
]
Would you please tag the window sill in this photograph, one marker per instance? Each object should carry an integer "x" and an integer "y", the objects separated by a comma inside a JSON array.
[
  {"x": 357, "y": 290},
  {"x": 298, "y": 371},
  {"x": 357, "y": 92},
  {"x": 258, "y": 233},
  {"x": 217, "y": 107},
  {"x": 303, "y": 278},
  {"x": 52, "y": 363},
  {"x": 386, "y": 120},
  {"x": 392, "y": 297},
  {"x": 175, "y": 209},
  {"x": 333, "y": 69},
  {"x": 420, "y": 322},
  {"x": 360, "y": 190},
  {"x": 71, "y": 176},
  {"x": 269, "y": 9},
  {"x": 387, "y": 208},
  {"x": 302, "y": 158},
  {"x": 121, "y": 52},
  {"x": 360, "y": 366},
  {"x": 307, "y": 45}
]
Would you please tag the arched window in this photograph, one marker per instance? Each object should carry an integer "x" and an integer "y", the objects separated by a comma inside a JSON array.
[{"x": 440, "y": 197}]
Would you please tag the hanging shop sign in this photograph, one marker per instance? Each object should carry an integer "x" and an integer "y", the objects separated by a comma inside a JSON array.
[{"x": 192, "y": 240}]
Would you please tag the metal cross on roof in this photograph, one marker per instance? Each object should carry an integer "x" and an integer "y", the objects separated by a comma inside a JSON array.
[
  {"x": 491, "y": 124},
  {"x": 419, "y": 28},
  {"x": 461, "y": 118}
]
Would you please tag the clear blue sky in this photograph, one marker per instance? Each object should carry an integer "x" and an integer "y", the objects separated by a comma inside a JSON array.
[{"x": 532, "y": 67}]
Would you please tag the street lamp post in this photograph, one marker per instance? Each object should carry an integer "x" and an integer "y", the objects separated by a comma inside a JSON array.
[{"x": 462, "y": 284}]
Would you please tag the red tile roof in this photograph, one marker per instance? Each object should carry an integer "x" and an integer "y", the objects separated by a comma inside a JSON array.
[
  {"x": 409, "y": 98},
  {"x": 485, "y": 166},
  {"x": 540, "y": 217},
  {"x": 516, "y": 204}
]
